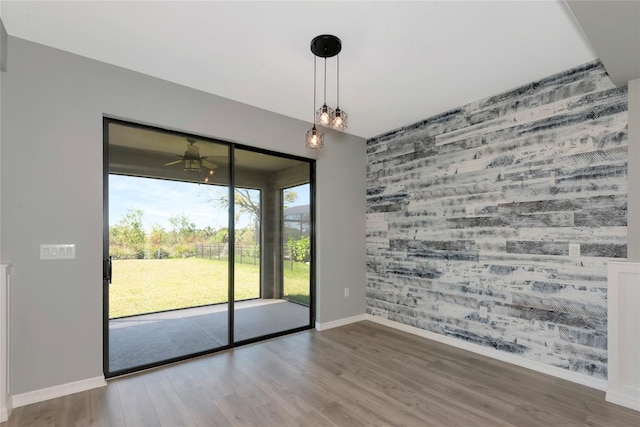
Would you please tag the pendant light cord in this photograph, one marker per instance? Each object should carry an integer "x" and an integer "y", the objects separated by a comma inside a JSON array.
[
  {"x": 325, "y": 80},
  {"x": 314, "y": 90},
  {"x": 338, "y": 83}
]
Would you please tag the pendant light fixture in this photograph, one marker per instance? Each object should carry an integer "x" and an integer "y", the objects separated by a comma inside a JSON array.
[
  {"x": 339, "y": 121},
  {"x": 314, "y": 138},
  {"x": 325, "y": 46}
]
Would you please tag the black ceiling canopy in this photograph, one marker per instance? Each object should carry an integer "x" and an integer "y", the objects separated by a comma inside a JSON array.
[{"x": 326, "y": 46}]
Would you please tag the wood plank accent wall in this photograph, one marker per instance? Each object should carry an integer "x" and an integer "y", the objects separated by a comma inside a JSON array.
[{"x": 492, "y": 223}]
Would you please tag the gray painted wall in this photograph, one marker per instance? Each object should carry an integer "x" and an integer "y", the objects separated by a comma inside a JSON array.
[
  {"x": 474, "y": 216},
  {"x": 51, "y": 176}
]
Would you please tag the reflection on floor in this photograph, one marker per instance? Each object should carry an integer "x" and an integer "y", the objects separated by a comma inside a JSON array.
[{"x": 150, "y": 338}]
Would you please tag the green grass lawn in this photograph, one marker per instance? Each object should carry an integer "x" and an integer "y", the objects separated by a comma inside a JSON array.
[
  {"x": 148, "y": 285},
  {"x": 296, "y": 282}
]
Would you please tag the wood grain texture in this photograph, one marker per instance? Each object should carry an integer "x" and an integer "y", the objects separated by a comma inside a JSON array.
[
  {"x": 363, "y": 374},
  {"x": 510, "y": 205}
]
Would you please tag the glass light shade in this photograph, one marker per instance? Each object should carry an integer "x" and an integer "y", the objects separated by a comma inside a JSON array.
[
  {"x": 315, "y": 139},
  {"x": 339, "y": 121},
  {"x": 324, "y": 115},
  {"x": 191, "y": 165}
]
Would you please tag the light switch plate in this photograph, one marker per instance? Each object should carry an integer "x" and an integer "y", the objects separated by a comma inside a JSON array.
[
  {"x": 574, "y": 249},
  {"x": 483, "y": 312},
  {"x": 53, "y": 252}
]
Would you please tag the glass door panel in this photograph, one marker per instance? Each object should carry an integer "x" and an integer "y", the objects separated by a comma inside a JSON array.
[
  {"x": 265, "y": 185},
  {"x": 168, "y": 243},
  {"x": 296, "y": 240}
]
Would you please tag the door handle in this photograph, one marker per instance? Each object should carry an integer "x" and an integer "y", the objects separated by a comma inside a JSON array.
[{"x": 107, "y": 267}]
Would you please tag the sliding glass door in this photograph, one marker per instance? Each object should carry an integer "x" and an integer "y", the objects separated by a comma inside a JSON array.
[
  {"x": 167, "y": 245},
  {"x": 195, "y": 246},
  {"x": 265, "y": 185}
]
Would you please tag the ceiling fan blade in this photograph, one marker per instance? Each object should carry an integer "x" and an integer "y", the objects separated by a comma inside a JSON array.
[
  {"x": 209, "y": 164},
  {"x": 222, "y": 159},
  {"x": 175, "y": 162}
]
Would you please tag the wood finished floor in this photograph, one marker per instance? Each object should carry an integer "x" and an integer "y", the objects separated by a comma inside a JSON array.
[{"x": 362, "y": 374}]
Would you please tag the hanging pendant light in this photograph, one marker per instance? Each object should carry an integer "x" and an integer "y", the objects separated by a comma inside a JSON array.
[
  {"x": 339, "y": 121},
  {"x": 314, "y": 138},
  {"x": 325, "y": 46}
]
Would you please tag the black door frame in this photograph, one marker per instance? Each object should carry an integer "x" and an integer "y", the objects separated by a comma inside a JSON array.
[{"x": 231, "y": 227}]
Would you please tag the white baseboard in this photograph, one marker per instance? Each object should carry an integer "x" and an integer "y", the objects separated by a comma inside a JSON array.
[
  {"x": 57, "y": 391},
  {"x": 340, "y": 322},
  {"x": 4, "y": 414},
  {"x": 496, "y": 354},
  {"x": 629, "y": 400}
]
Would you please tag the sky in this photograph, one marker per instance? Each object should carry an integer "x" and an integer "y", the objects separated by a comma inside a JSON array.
[{"x": 161, "y": 199}]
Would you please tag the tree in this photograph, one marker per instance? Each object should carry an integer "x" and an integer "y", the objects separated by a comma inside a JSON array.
[
  {"x": 129, "y": 231},
  {"x": 290, "y": 196},
  {"x": 245, "y": 203},
  {"x": 206, "y": 233},
  {"x": 182, "y": 227},
  {"x": 300, "y": 249},
  {"x": 158, "y": 235},
  {"x": 131, "y": 228}
]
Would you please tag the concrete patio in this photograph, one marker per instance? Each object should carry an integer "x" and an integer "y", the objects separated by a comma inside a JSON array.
[{"x": 150, "y": 338}]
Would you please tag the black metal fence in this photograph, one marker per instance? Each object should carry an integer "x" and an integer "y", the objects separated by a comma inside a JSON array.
[{"x": 244, "y": 254}]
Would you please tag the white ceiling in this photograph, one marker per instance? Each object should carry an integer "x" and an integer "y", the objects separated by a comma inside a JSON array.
[{"x": 401, "y": 62}]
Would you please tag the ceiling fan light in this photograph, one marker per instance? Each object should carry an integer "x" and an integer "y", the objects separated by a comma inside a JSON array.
[
  {"x": 191, "y": 165},
  {"x": 208, "y": 175},
  {"x": 339, "y": 121},
  {"x": 314, "y": 138}
]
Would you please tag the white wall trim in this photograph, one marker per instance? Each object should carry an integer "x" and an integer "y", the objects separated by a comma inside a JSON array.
[
  {"x": 623, "y": 297},
  {"x": 623, "y": 398},
  {"x": 5, "y": 329},
  {"x": 340, "y": 322},
  {"x": 496, "y": 354},
  {"x": 57, "y": 391},
  {"x": 4, "y": 414}
]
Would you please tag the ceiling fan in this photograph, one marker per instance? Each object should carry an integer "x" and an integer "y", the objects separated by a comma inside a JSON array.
[{"x": 192, "y": 159}]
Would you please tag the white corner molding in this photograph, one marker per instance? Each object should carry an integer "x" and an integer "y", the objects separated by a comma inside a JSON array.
[
  {"x": 5, "y": 380},
  {"x": 623, "y": 306},
  {"x": 340, "y": 322},
  {"x": 495, "y": 354},
  {"x": 58, "y": 391}
]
